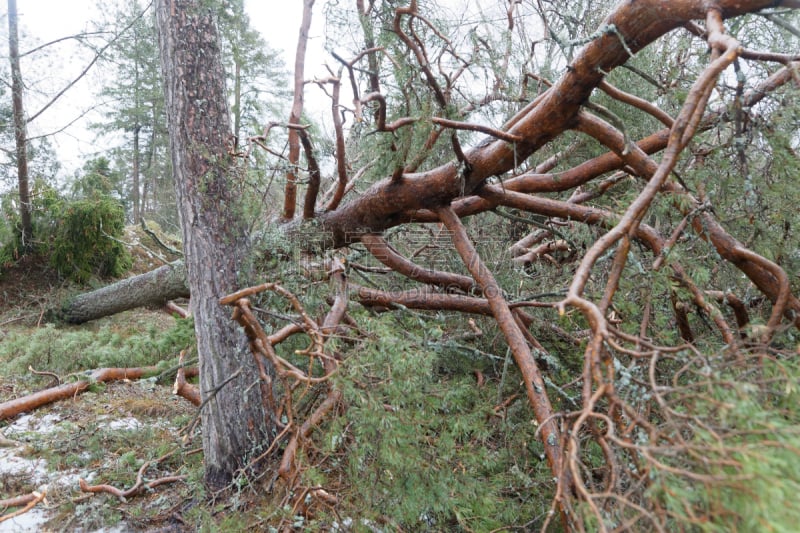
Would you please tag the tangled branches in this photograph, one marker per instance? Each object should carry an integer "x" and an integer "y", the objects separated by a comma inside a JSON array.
[
  {"x": 295, "y": 383},
  {"x": 629, "y": 438}
]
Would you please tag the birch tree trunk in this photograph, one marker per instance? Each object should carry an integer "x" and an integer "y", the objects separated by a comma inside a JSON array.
[{"x": 235, "y": 424}]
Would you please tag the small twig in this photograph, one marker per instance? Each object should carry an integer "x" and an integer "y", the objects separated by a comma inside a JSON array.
[
  {"x": 30, "y": 502},
  {"x": 138, "y": 487},
  {"x": 468, "y": 126},
  {"x": 45, "y": 373},
  {"x": 213, "y": 392},
  {"x": 8, "y": 443},
  {"x": 17, "y": 319}
]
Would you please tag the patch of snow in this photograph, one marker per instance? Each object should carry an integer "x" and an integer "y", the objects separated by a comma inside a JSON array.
[
  {"x": 33, "y": 423},
  {"x": 348, "y": 525},
  {"x": 13, "y": 465},
  {"x": 125, "y": 423},
  {"x": 34, "y": 471},
  {"x": 30, "y": 522}
]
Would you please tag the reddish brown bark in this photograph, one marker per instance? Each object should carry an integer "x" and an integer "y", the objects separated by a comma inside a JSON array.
[
  {"x": 394, "y": 201},
  {"x": 30, "y": 402},
  {"x": 262, "y": 348},
  {"x": 421, "y": 299},
  {"x": 290, "y": 191},
  {"x": 139, "y": 487},
  {"x": 18, "y": 501},
  {"x": 387, "y": 255},
  {"x": 185, "y": 389},
  {"x": 27, "y": 502},
  {"x": 534, "y": 383},
  {"x": 736, "y": 304}
]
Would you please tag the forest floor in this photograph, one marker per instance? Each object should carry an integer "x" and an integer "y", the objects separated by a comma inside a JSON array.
[{"x": 103, "y": 435}]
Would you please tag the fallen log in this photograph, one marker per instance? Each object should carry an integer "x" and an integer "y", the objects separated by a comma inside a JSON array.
[
  {"x": 33, "y": 401},
  {"x": 154, "y": 288}
]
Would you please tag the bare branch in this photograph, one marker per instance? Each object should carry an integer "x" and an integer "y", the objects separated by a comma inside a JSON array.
[{"x": 97, "y": 56}]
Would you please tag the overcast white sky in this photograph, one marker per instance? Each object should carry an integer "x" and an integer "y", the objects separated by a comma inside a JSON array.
[
  {"x": 42, "y": 21},
  {"x": 46, "y": 20}
]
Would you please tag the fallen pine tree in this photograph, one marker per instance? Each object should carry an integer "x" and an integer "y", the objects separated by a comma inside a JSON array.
[{"x": 154, "y": 288}]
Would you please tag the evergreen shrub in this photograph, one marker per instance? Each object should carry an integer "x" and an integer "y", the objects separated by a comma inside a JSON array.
[{"x": 85, "y": 240}]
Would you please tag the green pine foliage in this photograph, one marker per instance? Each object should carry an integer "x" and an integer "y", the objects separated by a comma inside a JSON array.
[
  {"x": 742, "y": 472},
  {"x": 45, "y": 207},
  {"x": 421, "y": 445},
  {"x": 71, "y": 349},
  {"x": 86, "y": 240}
]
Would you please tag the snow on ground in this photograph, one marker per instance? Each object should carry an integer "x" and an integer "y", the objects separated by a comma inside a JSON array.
[{"x": 34, "y": 470}]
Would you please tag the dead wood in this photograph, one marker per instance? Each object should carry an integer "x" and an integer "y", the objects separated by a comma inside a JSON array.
[
  {"x": 175, "y": 309},
  {"x": 8, "y": 443},
  {"x": 35, "y": 400},
  {"x": 184, "y": 389},
  {"x": 263, "y": 348},
  {"x": 532, "y": 376},
  {"x": 154, "y": 288},
  {"x": 139, "y": 487},
  {"x": 29, "y": 501}
]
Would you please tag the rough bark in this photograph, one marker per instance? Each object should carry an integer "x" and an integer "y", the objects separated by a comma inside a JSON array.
[
  {"x": 235, "y": 425},
  {"x": 153, "y": 288}
]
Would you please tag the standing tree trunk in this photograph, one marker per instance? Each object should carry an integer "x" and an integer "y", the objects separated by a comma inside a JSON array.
[
  {"x": 20, "y": 133},
  {"x": 136, "y": 174},
  {"x": 235, "y": 422},
  {"x": 237, "y": 99},
  {"x": 290, "y": 191}
]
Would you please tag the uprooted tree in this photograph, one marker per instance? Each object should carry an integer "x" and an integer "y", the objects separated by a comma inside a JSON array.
[{"x": 455, "y": 120}]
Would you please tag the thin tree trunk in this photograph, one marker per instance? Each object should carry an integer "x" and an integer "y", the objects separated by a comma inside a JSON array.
[
  {"x": 20, "y": 131},
  {"x": 136, "y": 171},
  {"x": 236, "y": 425},
  {"x": 237, "y": 100},
  {"x": 290, "y": 193}
]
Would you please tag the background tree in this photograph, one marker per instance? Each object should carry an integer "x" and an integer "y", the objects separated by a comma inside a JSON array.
[
  {"x": 20, "y": 129},
  {"x": 255, "y": 86},
  {"x": 23, "y": 153},
  {"x": 98, "y": 179},
  {"x": 256, "y": 79},
  {"x": 136, "y": 108}
]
